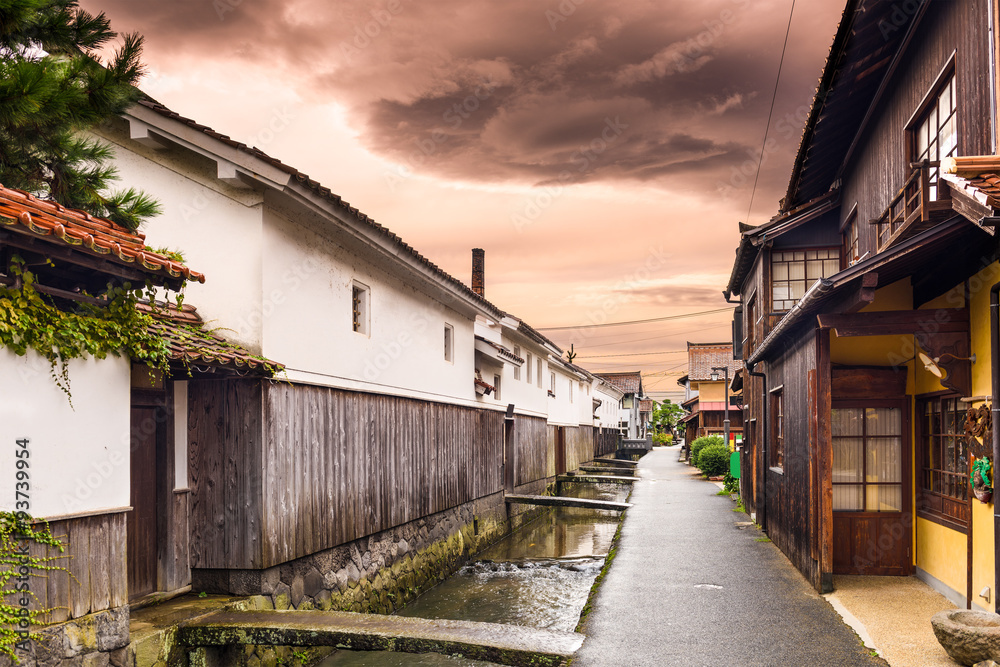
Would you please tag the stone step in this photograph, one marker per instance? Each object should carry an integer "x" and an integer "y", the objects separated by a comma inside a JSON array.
[
  {"x": 563, "y": 501},
  {"x": 206, "y": 638}
]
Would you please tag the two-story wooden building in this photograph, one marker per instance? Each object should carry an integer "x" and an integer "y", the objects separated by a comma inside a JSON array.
[{"x": 864, "y": 318}]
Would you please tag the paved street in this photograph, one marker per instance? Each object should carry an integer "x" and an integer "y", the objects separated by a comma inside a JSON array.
[{"x": 690, "y": 587}]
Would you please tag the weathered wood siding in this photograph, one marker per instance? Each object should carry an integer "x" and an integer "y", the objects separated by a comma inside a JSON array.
[
  {"x": 225, "y": 473},
  {"x": 789, "y": 521},
  {"x": 533, "y": 450},
  {"x": 605, "y": 441},
  {"x": 879, "y": 165},
  {"x": 341, "y": 465},
  {"x": 280, "y": 471},
  {"x": 95, "y": 578},
  {"x": 579, "y": 446}
]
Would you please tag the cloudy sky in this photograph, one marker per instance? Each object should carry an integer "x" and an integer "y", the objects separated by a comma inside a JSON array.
[{"x": 600, "y": 151}]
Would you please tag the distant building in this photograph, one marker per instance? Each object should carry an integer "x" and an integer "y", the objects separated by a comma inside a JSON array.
[
  {"x": 706, "y": 400},
  {"x": 630, "y": 384}
]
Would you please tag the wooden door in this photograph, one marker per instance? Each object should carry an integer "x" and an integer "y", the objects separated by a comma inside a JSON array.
[
  {"x": 142, "y": 544},
  {"x": 560, "y": 450},
  {"x": 871, "y": 488}
]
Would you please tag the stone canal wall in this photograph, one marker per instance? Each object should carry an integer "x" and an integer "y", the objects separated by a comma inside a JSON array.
[{"x": 379, "y": 573}]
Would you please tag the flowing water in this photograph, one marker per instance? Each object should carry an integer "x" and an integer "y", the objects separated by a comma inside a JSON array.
[{"x": 539, "y": 576}]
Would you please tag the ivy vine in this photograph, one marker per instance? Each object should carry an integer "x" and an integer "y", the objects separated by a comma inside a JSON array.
[
  {"x": 17, "y": 531},
  {"x": 30, "y": 320}
]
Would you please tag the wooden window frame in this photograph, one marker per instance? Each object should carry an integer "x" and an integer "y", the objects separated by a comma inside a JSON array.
[
  {"x": 776, "y": 455},
  {"x": 850, "y": 235},
  {"x": 496, "y": 386},
  {"x": 925, "y": 497},
  {"x": 928, "y": 103},
  {"x": 905, "y": 471},
  {"x": 517, "y": 369},
  {"x": 775, "y": 251}
]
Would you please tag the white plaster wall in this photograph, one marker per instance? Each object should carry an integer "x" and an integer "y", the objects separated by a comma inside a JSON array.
[
  {"x": 561, "y": 410},
  {"x": 608, "y": 413},
  {"x": 308, "y": 278},
  {"x": 79, "y": 455},
  {"x": 216, "y": 227},
  {"x": 584, "y": 402},
  {"x": 524, "y": 393}
]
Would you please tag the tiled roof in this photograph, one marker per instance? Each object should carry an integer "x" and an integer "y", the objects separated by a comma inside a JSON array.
[
  {"x": 192, "y": 344},
  {"x": 326, "y": 194},
  {"x": 23, "y": 213},
  {"x": 502, "y": 351},
  {"x": 977, "y": 177},
  {"x": 630, "y": 382},
  {"x": 702, "y": 357},
  {"x": 645, "y": 406},
  {"x": 533, "y": 334}
]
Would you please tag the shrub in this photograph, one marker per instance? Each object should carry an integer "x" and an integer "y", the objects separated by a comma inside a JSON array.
[
  {"x": 714, "y": 460},
  {"x": 663, "y": 439},
  {"x": 700, "y": 444}
]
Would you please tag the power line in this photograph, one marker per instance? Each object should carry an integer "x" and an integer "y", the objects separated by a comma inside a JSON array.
[
  {"x": 767, "y": 127},
  {"x": 618, "y": 324},
  {"x": 633, "y": 354}
]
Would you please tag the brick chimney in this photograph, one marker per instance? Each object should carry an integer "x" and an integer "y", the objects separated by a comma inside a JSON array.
[{"x": 479, "y": 271}]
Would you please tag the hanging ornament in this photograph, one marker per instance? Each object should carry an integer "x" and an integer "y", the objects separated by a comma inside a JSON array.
[{"x": 982, "y": 486}]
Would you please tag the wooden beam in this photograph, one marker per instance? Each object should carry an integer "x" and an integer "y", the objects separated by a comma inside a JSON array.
[
  {"x": 864, "y": 295},
  {"x": 893, "y": 322}
]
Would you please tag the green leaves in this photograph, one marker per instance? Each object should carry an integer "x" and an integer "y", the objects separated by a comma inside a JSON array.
[
  {"x": 53, "y": 87},
  {"x": 31, "y": 321}
]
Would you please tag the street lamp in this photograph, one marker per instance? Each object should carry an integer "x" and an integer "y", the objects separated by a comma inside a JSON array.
[{"x": 715, "y": 378}]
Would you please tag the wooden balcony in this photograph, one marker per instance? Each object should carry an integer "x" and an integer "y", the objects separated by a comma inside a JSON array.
[{"x": 916, "y": 207}]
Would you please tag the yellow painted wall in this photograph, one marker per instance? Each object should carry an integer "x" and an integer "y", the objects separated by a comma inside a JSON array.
[{"x": 941, "y": 552}]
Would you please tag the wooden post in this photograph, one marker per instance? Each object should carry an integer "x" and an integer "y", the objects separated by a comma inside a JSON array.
[{"x": 824, "y": 460}]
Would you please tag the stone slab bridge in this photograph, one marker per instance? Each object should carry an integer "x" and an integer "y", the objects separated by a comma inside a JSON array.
[{"x": 215, "y": 639}]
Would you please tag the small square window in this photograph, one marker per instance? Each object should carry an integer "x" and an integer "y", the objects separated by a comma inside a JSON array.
[
  {"x": 449, "y": 343},
  {"x": 360, "y": 306}
]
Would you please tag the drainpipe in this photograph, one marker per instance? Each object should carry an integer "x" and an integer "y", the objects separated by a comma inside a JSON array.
[
  {"x": 762, "y": 507},
  {"x": 995, "y": 394}
]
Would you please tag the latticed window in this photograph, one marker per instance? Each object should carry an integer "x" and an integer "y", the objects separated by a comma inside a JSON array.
[
  {"x": 852, "y": 248},
  {"x": 793, "y": 271},
  {"x": 778, "y": 429},
  {"x": 359, "y": 308},
  {"x": 944, "y": 459},
  {"x": 935, "y": 133},
  {"x": 867, "y": 459}
]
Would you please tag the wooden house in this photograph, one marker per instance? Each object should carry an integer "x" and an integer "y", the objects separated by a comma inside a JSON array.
[{"x": 864, "y": 318}]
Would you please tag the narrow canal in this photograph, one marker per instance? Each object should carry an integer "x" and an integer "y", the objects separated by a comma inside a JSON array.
[{"x": 539, "y": 576}]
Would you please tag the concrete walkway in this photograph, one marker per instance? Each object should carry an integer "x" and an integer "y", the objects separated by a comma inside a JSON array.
[{"x": 692, "y": 584}]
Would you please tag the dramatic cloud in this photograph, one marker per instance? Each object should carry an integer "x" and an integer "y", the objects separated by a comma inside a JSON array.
[{"x": 567, "y": 137}]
